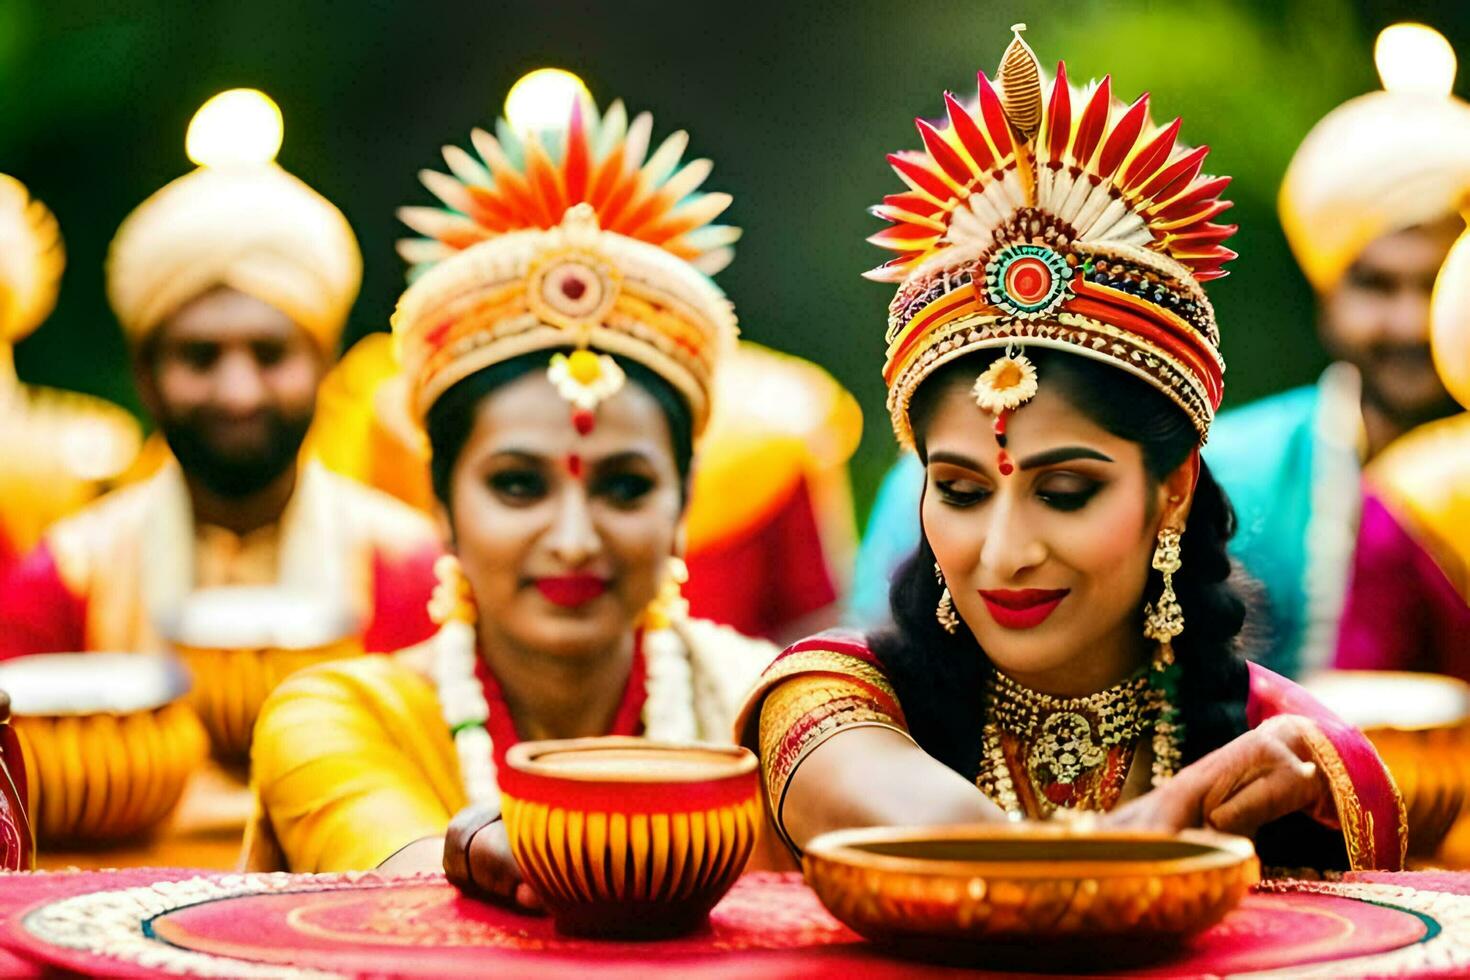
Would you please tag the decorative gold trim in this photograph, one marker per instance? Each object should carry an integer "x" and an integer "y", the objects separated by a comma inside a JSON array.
[
  {"x": 827, "y": 661},
  {"x": 1106, "y": 343},
  {"x": 1448, "y": 950},
  {"x": 110, "y": 923},
  {"x": 1358, "y": 828}
]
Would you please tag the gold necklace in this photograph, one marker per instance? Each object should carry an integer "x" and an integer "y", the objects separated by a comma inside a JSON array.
[{"x": 1068, "y": 739}]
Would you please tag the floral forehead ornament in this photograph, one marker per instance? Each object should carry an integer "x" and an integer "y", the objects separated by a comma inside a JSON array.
[
  {"x": 572, "y": 290},
  {"x": 1026, "y": 282}
]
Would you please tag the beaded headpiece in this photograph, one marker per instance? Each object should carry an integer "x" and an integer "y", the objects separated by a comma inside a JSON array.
[
  {"x": 1065, "y": 221},
  {"x": 575, "y": 240},
  {"x": 31, "y": 260}
]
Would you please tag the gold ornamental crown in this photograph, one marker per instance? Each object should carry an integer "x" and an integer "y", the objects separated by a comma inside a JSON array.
[{"x": 1068, "y": 221}]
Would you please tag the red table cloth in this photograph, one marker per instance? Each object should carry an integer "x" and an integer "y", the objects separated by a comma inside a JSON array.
[{"x": 159, "y": 922}]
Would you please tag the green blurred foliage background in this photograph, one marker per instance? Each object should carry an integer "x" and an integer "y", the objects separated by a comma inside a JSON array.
[{"x": 796, "y": 102}]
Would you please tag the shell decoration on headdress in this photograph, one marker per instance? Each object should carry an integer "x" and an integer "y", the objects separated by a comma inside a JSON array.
[
  {"x": 1062, "y": 220},
  {"x": 579, "y": 241}
]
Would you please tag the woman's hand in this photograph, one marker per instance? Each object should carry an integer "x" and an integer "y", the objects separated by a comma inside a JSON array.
[
  {"x": 1263, "y": 775},
  {"x": 478, "y": 860}
]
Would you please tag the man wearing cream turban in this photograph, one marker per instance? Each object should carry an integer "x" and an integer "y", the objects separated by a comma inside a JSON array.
[
  {"x": 1370, "y": 206},
  {"x": 232, "y": 285},
  {"x": 1423, "y": 478},
  {"x": 59, "y": 448}
]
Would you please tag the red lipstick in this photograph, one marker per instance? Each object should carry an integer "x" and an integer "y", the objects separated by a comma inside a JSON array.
[
  {"x": 1022, "y": 609},
  {"x": 571, "y": 590}
]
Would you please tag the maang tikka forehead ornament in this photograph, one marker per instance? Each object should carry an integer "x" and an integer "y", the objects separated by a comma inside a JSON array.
[
  {"x": 1065, "y": 221},
  {"x": 578, "y": 242}
]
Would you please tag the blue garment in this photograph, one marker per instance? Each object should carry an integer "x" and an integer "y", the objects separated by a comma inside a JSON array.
[
  {"x": 1263, "y": 454},
  {"x": 891, "y": 536}
]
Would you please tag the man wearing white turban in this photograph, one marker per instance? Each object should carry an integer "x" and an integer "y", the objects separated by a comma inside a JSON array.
[
  {"x": 232, "y": 284},
  {"x": 1370, "y": 206}
]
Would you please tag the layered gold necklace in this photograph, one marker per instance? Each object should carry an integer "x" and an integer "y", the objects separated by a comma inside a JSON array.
[{"x": 1044, "y": 753}]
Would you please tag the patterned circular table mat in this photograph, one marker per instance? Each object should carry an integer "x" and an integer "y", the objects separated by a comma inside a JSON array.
[{"x": 769, "y": 925}]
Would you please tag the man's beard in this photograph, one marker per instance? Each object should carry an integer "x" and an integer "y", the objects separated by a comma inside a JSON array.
[
  {"x": 1425, "y": 401},
  {"x": 235, "y": 474}
]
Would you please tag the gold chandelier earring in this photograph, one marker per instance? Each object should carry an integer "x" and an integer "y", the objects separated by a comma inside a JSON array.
[
  {"x": 452, "y": 600},
  {"x": 669, "y": 605},
  {"x": 944, "y": 612},
  {"x": 1164, "y": 620}
]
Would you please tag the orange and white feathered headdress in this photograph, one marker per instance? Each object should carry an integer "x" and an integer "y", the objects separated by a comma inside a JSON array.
[
  {"x": 31, "y": 260},
  {"x": 1063, "y": 220},
  {"x": 577, "y": 240}
]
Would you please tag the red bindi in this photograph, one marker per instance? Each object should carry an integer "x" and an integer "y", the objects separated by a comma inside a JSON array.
[
  {"x": 1003, "y": 462},
  {"x": 574, "y": 466},
  {"x": 584, "y": 421}
]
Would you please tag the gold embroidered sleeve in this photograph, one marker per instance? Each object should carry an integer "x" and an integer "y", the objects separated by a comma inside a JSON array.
[{"x": 804, "y": 711}]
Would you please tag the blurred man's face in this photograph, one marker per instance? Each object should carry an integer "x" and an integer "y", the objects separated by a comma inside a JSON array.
[
  {"x": 1377, "y": 319},
  {"x": 232, "y": 382}
]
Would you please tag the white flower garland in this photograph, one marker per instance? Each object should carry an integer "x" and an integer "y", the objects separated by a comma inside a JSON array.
[{"x": 668, "y": 711}]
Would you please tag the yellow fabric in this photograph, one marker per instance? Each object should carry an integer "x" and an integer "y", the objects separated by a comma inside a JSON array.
[
  {"x": 351, "y": 761},
  {"x": 1426, "y": 474},
  {"x": 222, "y": 557},
  {"x": 254, "y": 228},
  {"x": 363, "y": 426},
  {"x": 1377, "y": 164},
  {"x": 58, "y": 451},
  {"x": 778, "y": 421}
]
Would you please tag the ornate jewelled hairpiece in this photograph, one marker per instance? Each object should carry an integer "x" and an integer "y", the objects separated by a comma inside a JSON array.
[
  {"x": 1025, "y": 223},
  {"x": 577, "y": 240}
]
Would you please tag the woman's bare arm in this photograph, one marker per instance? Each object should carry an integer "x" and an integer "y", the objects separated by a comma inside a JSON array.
[{"x": 870, "y": 776}]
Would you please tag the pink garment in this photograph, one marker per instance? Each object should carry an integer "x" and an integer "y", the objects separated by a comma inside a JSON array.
[{"x": 1401, "y": 611}]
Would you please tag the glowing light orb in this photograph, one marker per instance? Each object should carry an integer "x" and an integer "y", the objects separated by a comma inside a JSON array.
[
  {"x": 1449, "y": 318},
  {"x": 1415, "y": 58},
  {"x": 542, "y": 100},
  {"x": 242, "y": 125}
]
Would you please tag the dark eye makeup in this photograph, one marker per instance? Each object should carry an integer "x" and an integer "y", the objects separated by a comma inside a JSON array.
[
  {"x": 517, "y": 485},
  {"x": 1063, "y": 492},
  {"x": 1067, "y": 491},
  {"x": 623, "y": 489}
]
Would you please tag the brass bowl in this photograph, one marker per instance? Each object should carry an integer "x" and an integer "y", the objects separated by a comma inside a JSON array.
[
  {"x": 962, "y": 892},
  {"x": 240, "y": 642},
  {"x": 109, "y": 739},
  {"x": 628, "y": 838},
  {"x": 1420, "y": 725}
]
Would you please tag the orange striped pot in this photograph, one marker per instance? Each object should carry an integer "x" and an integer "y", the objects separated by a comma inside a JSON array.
[
  {"x": 627, "y": 838},
  {"x": 239, "y": 642},
  {"x": 109, "y": 741}
]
